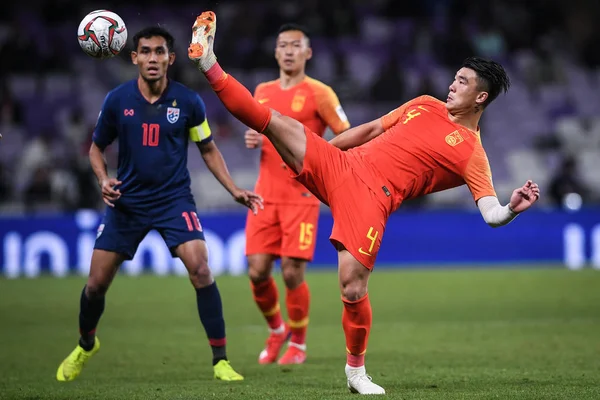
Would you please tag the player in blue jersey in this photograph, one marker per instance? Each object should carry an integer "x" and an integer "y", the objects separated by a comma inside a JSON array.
[{"x": 153, "y": 119}]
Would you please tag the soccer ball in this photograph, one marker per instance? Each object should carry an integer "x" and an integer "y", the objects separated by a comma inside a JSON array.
[{"x": 102, "y": 34}]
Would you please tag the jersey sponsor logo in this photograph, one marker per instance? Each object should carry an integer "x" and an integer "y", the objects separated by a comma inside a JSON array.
[
  {"x": 298, "y": 101},
  {"x": 172, "y": 114},
  {"x": 128, "y": 112},
  {"x": 263, "y": 101},
  {"x": 454, "y": 138},
  {"x": 340, "y": 113}
]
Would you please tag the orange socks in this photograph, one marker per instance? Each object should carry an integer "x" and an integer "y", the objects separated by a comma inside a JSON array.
[
  {"x": 356, "y": 320},
  {"x": 297, "y": 301},
  {"x": 266, "y": 297},
  {"x": 237, "y": 99}
]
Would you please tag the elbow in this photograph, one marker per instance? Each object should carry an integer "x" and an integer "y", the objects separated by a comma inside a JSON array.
[
  {"x": 94, "y": 150},
  {"x": 495, "y": 223},
  {"x": 492, "y": 223}
]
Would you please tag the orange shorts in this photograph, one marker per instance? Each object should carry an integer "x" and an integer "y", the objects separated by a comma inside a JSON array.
[
  {"x": 284, "y": 230},
  {"x": 359, "y": 201}
]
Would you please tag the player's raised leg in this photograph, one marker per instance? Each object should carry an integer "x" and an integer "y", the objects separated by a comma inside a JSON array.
[
  {"x": 104, "y": 266},
  {"x": 286, "y": 134},
  {"x": 194, "y": 255},
  {"x": 356, "y": 321}
]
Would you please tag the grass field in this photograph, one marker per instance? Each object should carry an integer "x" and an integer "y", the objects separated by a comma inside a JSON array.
[{"x": 465, "y": 334}]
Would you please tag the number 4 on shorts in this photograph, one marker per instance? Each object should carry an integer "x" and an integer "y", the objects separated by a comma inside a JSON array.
[{"x": 372, "y": 236}]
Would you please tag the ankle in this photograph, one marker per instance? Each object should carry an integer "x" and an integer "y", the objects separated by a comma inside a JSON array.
[
  {"x": 355, "y": 361},
  {"x": 87, "y": 343},
  {"x": 299, "y": 346},
  {"x": 278, "y": 331},
  {"x": 207, "y": 63}
]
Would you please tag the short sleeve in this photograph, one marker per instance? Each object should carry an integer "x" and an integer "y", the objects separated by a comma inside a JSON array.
[
  {"x": 105, "y": 131},
  {"x": 478, "y": 175},
  {"x": 330, "y": 110}
]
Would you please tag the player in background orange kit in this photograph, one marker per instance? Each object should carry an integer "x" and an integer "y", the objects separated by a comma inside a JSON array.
[
  {"x": 287, "y": 227},
  {"x": 422, "y": 147}
]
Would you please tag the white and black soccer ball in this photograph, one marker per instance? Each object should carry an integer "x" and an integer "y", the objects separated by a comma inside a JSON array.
[{"x": 102, "y": 34}]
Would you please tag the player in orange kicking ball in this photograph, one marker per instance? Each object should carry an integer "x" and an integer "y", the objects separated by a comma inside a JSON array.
[
  {"x": 423, "y": 146},
  {"x": 287, "y": 227}
]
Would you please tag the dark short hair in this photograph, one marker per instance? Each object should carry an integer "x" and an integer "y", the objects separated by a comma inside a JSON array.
[
  {"x": 153, "y": 31},
  {"x": 491, "y": 77},
  {"x": 294, "y": 27}
]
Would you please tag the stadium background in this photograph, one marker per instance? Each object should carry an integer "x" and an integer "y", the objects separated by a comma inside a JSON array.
[
  {"x": 461, "y": 311},
  {"x": 375, "y": 55}
]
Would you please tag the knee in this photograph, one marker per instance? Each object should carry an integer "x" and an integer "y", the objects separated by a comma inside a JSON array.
[
  {"x": 353, "y": 289},
  {"x": 200, "y": 274},
  {"x": 95, "y": 288},
  {"x": 258, "y": 270},
  {"x": 292, "y": 272},
  {"x": 353, "y": 279}
]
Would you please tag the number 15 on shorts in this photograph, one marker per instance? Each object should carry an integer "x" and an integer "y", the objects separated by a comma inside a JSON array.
[{"x": 306, "y": 235}]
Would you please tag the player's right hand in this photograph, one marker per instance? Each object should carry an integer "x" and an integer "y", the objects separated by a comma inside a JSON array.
[
  {"x": 253, "y": 139},
  {"x": 109, "y": 194}
]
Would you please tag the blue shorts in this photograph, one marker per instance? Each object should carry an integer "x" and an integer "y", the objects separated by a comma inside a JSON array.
[{"x": 121, "y": 231}]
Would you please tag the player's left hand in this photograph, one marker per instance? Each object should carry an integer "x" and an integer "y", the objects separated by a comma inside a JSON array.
[
  {"x": 253, "y": 139},
  {"x": 522, "y": 198},
  {"x": 249, "y": 199}
]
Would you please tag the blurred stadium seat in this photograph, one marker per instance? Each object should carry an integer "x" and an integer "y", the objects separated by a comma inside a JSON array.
[{"x": 554, "y": 98}]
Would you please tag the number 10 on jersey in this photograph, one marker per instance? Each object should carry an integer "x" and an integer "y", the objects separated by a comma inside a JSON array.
[{"x": 150, "y": 135}]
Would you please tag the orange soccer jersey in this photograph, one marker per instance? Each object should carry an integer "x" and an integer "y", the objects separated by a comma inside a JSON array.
[
  {"x": 421, "y": 151},
  {"x": 316, "y": 106}
]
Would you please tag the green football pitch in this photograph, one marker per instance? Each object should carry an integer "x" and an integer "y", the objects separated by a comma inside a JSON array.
[{"x": 437, "y": 334}]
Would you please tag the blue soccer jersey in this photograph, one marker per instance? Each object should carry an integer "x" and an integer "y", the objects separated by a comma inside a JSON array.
[{"x": 153, "y": 141}]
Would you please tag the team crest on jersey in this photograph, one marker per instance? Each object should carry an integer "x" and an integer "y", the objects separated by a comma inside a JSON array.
[
  {"x": 298, "y": 101},
  {"x": 454, "y": 138},
  {"x": 172, "y": 114}
]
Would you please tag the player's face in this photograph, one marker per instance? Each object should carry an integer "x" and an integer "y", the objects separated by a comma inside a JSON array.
[
  {"x": 152, "y": 58},
  {"x": 465, "y": 93},
  {"x": 292, "y": 51}
]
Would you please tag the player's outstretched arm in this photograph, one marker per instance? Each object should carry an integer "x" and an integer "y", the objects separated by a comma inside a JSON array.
[
  {"x": 358, "y": 135},
  {"x": 216, "y": 164},
  {"x": 497, "y": 215},
  {"x": 107, "y": 185}
]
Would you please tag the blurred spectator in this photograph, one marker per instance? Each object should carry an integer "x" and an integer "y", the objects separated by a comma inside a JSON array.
[
  {"x": 17, "y": 50},
  {"x": 5, "y": 186},
  {"x": 11, "y": 111},
  {"x": 38, "y": 192},
  {"x": 388, "y": 85},
  {"x": 566, "y": 182}
]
